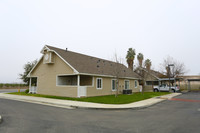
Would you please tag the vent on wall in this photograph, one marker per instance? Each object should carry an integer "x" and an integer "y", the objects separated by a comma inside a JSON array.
[{"x": 48, "y": 58}]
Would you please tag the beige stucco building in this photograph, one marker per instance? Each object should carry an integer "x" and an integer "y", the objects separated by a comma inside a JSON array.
[
  {"x": 152, "y": 78},
  {"x": 61, "y": 72},
  {"x": 190, "y": 82}
]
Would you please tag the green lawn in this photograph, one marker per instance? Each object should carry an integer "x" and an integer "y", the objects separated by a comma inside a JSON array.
[{"x": 110, "y": 99}]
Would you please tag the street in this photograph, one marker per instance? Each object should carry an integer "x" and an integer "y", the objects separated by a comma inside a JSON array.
[{"x": 179, "y": 115}]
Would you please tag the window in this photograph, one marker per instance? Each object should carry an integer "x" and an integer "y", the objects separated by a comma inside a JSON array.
[
  {"x": 135, "y": 83},
  {"x": 68, "y": 80},
  {"x": 127, "y": 84},
  {"x": 148, "y": 83},
  {"x": 152, "y": 83},
  {"x": 99, "y": 83},
  {"x": 114, "y": 85}
]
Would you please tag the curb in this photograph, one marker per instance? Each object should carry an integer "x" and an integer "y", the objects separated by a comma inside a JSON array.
[
  {"x": 162, "y": 99},
  {"x": 143, "y": 105},
  {"x": 129, "y": 108}
]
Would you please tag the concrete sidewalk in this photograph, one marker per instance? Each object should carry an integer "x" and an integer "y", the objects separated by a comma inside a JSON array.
[{"x": 77, "y": 104}]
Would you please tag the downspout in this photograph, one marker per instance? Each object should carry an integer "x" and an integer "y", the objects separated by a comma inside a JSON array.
[
  {"x": 30, "y": 85},
  {"x": 78, "y": 85}
]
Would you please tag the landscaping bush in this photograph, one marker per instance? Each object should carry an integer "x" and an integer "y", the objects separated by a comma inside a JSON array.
[
  {"x": 27, "y": 91},
  {"x": 1, "y": 85}
]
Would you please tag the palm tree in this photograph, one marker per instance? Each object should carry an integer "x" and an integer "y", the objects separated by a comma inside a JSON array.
[
  {"x": 140, "y": 58},
  {"x": 130, "y": 57},
  {"x": 148, "y": 64}
]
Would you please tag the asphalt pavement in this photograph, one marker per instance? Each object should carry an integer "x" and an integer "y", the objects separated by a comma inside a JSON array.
[
  {"x": 170, "y": 116},
  {"x": 78, "y": 104}
]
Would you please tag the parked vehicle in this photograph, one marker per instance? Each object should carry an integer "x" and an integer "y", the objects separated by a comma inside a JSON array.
[{"x": 165, "y": 87}]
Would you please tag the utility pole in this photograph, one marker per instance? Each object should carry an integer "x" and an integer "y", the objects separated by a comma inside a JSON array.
[{"x": 169, "y": 74}]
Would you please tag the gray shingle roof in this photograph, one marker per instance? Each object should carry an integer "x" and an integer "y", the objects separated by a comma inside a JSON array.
[
  {"x": 92, "y": 65},
  {"x": 152, "y": 72}
]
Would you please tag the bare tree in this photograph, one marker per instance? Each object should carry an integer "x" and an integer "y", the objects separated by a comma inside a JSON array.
[
  {"x": 144, "y": 72},
  {"x": 117, "y": 71},
  {"x": 177, "y": 70}
]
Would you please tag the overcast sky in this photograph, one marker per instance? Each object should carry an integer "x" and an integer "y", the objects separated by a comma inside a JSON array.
[{"x": 99, "y": 28}]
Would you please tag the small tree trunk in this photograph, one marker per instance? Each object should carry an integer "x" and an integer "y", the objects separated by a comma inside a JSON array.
[
  {"x": 116, "y": 93},
  {"x": 143, "y": 86}
]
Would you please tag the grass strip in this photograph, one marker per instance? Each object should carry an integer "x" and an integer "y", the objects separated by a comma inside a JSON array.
[{"x": 108, "y": 99}]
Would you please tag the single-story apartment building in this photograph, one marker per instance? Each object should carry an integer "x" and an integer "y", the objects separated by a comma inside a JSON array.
[
  {"x": 61, "y": 72},
  {"x": 153, "y": 78}
]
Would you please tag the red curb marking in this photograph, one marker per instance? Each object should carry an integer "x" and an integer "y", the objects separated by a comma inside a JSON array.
[{"x": 185, "y": 100}]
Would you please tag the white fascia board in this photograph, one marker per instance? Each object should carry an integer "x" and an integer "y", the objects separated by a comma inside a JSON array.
[
  {"x": 97, "y": 75},
  {"x": 130, "y": 78},
  {"x": 67, "y": 74},
  {"x": 110, "y": 76},
  {"x": 29, "y": 74},
  {"x": 45, "y": 47},
  {"x": 166, "y": 79},
  {"x": 75, "y": 71}
]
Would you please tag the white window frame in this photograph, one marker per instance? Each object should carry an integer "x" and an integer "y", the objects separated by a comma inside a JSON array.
[
  {"x": 64, "y": 85},
  {"x": 125, "y": 84},
  {"x": 112, "y": 85},
  {"x": 97, "y": 83},
  {"x": 136, "y": 84}
]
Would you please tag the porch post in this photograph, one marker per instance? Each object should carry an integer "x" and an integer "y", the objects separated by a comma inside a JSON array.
[
  {"x": 78, "y": 80},
  {"x": 78, "y": 84}
]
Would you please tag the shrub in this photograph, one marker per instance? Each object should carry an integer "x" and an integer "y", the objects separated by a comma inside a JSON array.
[
  {"x": 27, "y": 91},
  {"x": 6, "y": 85},
  {"x": 1, "y": 85}
]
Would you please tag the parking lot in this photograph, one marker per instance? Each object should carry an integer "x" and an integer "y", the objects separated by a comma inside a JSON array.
[{"x": 179, "y": 115}]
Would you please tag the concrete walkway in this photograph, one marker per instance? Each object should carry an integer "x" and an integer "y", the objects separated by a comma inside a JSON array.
[{"x": 77, "y": 104}]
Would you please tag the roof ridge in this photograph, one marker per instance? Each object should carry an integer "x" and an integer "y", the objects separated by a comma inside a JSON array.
[{"x": 85, "y": 55}]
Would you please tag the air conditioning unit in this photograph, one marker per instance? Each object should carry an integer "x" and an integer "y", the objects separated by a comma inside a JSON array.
[{"x": 127, "y": 91}]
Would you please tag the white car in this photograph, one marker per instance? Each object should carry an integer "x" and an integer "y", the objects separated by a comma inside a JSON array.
[{"x": 165, "y": 87}]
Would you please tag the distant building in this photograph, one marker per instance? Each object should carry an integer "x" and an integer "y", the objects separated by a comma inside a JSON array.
[
  {"x": 190, "y": 82},
  {"x": 153, "y": 78}
]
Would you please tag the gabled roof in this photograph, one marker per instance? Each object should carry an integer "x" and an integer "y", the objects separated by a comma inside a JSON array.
[
  {"x": 158, "y": 74},
  {"x": 153, "y": 73},
  {"x": 84, "y": 64}
]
